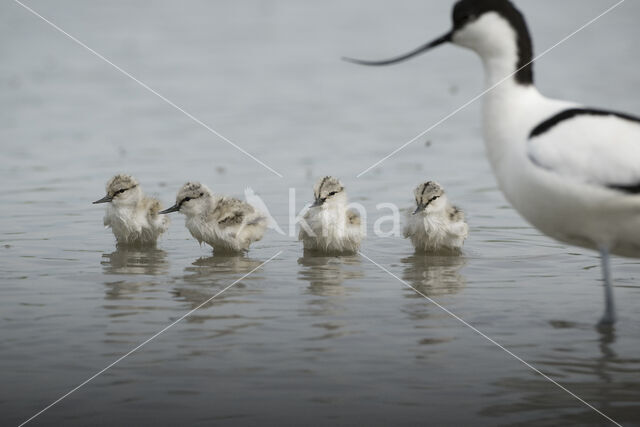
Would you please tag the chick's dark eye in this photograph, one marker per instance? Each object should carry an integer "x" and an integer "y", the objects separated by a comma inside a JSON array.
[
  {"x": 333, "y": 193},
  {"x": 201, "y": 194},
  {"x": 186, "y": 199},
  {"x": 122, "y": 191}
]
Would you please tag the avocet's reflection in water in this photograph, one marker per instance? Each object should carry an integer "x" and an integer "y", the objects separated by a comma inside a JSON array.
[{"x": 604, "y": 379}]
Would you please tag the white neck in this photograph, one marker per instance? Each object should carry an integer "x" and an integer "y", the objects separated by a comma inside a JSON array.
[
  {"x": 500, "y": 70},
  {"x": 512, "y": 106},
  {"x": 510, "y": 112}
]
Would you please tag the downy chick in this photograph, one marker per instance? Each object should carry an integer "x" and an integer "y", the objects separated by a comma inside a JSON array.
[
  {"x": 133, "y": 217},
  {"x": 435, "y": 225},
  {"x": 332, "y": 228},
  {"x": 224, "y": 223}
]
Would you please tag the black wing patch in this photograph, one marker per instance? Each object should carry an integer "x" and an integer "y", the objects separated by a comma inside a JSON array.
[
  {"x": 565, "y": 115},
  {"x": 548, "y": 124}
]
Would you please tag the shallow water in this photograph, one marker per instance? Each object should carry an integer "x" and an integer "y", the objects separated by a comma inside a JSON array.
[{"x": 304, "y": 339}]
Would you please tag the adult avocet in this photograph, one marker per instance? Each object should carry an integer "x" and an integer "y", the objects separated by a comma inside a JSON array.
[{"x": 571, "y": 171}]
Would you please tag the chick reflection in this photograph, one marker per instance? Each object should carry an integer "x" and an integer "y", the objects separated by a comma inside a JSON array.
[
  {"x": 129, "y": 261},
  {"x": 434, "y": 275},
  {"x": 208, "y": 275},
  {"x": 150, "y": 261},
  {"x": 326, "y": 274},
  {"x": 205, "y": 268}
]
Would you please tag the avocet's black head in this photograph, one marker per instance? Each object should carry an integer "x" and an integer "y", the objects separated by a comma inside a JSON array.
[{"x": 492, "y": 28}]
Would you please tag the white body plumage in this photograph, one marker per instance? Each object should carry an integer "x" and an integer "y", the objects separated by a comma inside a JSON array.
[
  {"x": 136, "y": 225},
  {"x": 224, "y": 223},
  {"x": 435, "y": 232},
  {"x": 435, "y": 226},
  {"x": 331, "y": 227},
  {"x": 133, "y": 218}
]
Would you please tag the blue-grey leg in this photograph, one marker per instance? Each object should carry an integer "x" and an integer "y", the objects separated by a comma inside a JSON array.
[{"x": 609, "y": 317}]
